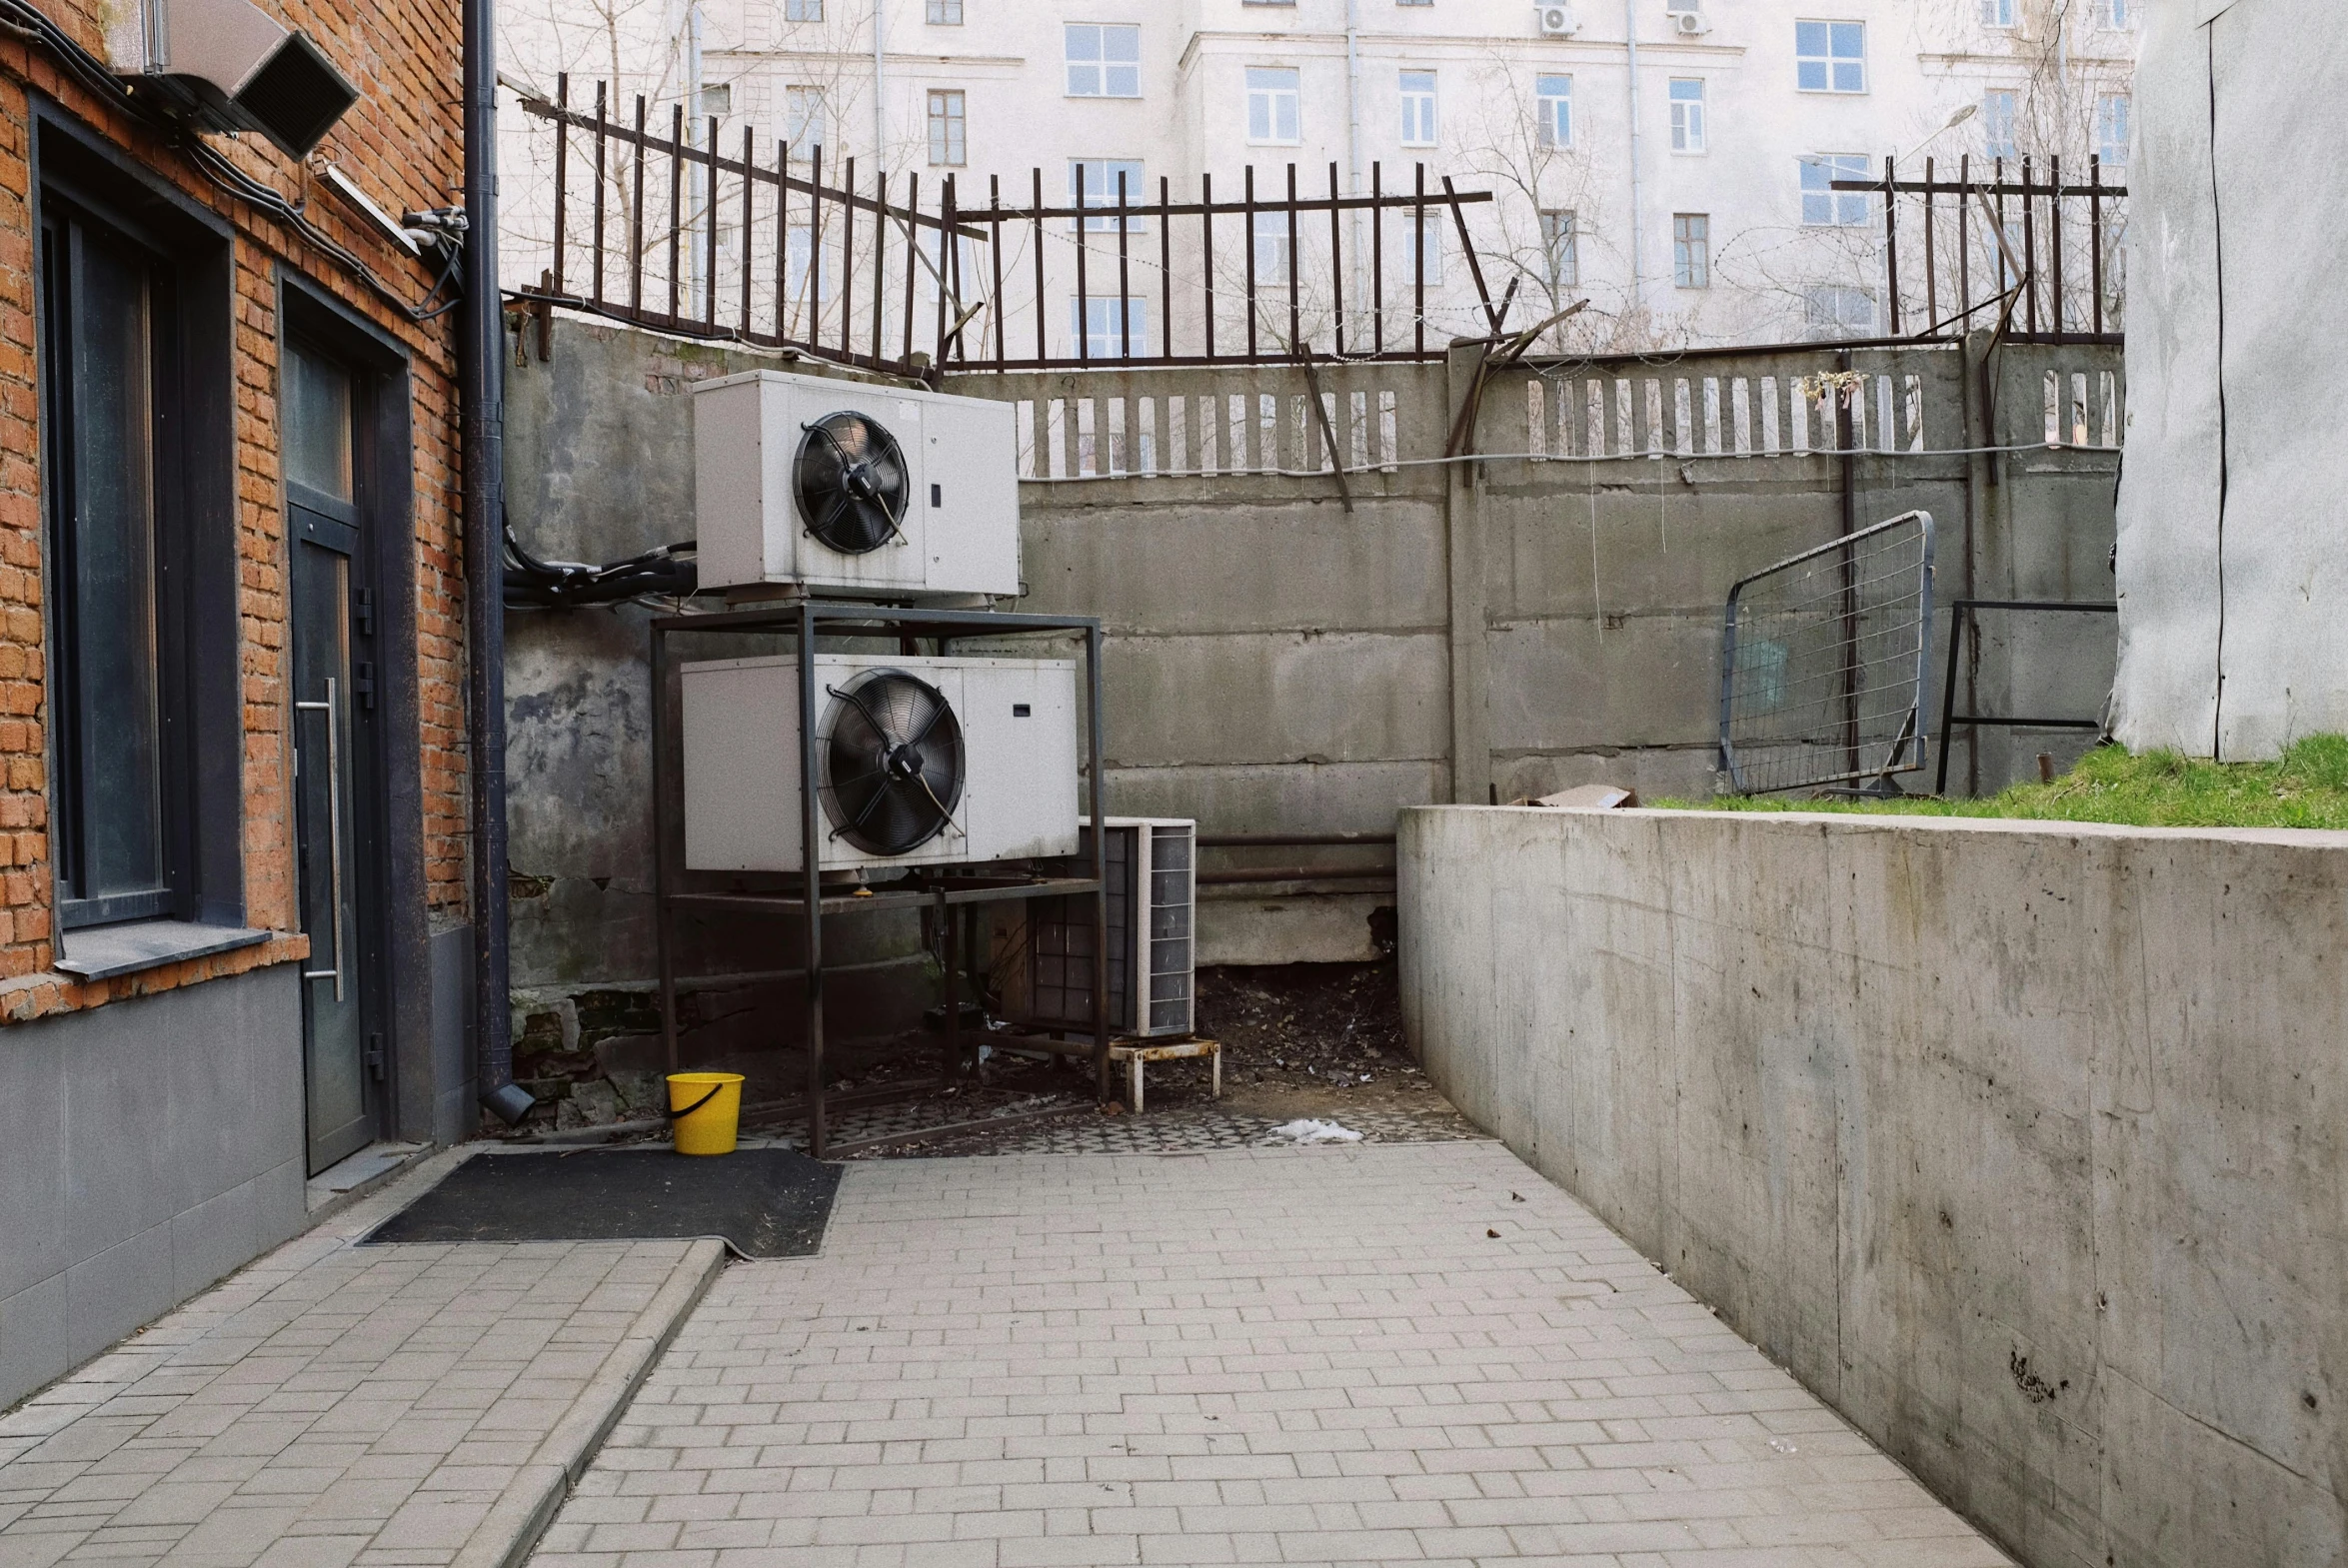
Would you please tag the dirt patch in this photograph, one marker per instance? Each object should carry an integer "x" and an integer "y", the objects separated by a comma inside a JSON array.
[{"x": 1299, "y": 1040}]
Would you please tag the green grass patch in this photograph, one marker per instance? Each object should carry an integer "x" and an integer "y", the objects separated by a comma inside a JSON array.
[{"x": 2307, "y": 788}]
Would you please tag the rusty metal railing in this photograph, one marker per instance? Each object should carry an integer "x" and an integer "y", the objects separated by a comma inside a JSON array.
[
  {"x": 681, "y": 235},
  {"x": 2030, "y": 255}
]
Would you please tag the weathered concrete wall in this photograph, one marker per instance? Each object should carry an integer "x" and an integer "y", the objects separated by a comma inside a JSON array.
[
  {"x": 1278, "y": 664},
  {"x": 2026, "y": 1146},
  {"x": 147, "y": 1148},
  {"x": 2231, "y": 575},
  {"x": 599, "y": 462}
]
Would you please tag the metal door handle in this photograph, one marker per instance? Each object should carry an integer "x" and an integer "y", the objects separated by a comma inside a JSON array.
[{"x": 334, "y": 829}]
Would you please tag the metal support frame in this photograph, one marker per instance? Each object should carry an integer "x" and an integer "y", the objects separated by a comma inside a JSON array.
[
  {"x": 1960, "y": 613},
  {"x": 952, "y": 892}
]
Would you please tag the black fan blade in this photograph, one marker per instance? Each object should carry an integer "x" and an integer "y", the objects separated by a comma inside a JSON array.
[
  {"x": 893, "y": 762},
  {"x": 852, "y": 482}
]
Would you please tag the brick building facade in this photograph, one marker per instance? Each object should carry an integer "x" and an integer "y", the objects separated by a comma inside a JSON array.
[{"x": 233, "y": 815}]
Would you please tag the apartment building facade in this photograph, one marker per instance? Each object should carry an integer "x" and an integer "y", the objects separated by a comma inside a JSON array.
[
  {"x": 1672, "y": 161},
  {"x": 233, "y": 941}
]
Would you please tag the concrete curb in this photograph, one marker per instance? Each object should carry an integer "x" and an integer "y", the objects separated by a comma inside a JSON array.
[{"x": 529, "y": 1503}]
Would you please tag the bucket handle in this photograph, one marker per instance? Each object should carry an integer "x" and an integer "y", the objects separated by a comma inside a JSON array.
[{"x": 679, "y": 1115}]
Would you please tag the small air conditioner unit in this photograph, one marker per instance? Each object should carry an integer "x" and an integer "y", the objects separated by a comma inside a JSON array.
[
  {"x": 1691, "y": 24},
  {"x": 1558, "y": 21},
  {"x": 232, "y": 66},
  {"x": 850, "y": 487},
  {"x": 1153, "y": 902},
  {"x": 920, "y": 761}
]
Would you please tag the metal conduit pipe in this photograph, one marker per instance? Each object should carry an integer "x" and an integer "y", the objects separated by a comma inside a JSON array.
[{"x": 481, "y": 339}]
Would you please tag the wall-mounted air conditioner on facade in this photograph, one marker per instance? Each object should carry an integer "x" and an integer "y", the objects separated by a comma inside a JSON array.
[
  {"x": 1690, "y": 24},
  {"x": 1153, "y": 902},
  {"x": 918, "y": 761},
  {"x": 1558, "y": 21},
  {"x": 849, "y": 487},
  {"x": 231, "y": 65}
]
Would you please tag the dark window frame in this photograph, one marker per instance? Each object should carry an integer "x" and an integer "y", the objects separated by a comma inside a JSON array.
[{"x": 78, "y": 177}]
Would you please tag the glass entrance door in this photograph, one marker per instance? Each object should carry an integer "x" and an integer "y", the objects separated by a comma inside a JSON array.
[{"x": 332, "y": 735}]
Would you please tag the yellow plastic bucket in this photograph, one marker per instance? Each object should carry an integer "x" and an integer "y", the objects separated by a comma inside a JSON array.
[{"x": 705, "y": 1109}]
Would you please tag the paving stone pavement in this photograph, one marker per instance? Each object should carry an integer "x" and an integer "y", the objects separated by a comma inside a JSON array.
[
  {"x": 1083, "y": 1130},
  {"x": 1418, "y": 1353},
  {"x": 334, "y": 1405}
]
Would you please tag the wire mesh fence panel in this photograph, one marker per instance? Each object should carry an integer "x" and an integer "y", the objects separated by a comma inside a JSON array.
[{"x": 1823, "y": 662}]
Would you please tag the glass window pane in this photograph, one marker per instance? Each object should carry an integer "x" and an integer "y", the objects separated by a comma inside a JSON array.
[
  {"x": 113, "y": 586},
  {"x": 1083, "y": 43},
  {"x": 1812, "y": 77},
  {"x": 315, "y": 423},
  {"x": 1809, "y": 38},
  {"x": 1122, "y": 43}
]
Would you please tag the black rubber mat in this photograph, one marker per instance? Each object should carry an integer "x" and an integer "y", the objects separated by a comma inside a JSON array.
[{"x": 761, "y": 1202}]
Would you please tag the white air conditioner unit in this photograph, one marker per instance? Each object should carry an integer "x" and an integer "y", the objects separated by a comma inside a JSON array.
[
  {"x": 231, "y": 65},
  {"x": 850, "y": 487},
  {"x": 1691, "y": 24},
  {"x": 1558, "y": 21},
  {"x": 1153, "y": 903},
  {"x": 918, "y": 761}
]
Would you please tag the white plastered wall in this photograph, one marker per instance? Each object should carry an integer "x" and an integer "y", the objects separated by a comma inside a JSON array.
[{"x": 2233, "y": 583}]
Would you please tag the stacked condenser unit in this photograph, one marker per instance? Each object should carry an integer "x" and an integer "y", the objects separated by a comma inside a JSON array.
[
  {"x": 880, "y": 774},
  {"x": 866, "y": 493}
]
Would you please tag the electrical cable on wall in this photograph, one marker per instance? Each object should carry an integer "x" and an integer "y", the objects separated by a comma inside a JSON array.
[{"x": 24, "y": 21}]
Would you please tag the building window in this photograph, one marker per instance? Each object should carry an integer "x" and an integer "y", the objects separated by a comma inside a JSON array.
[
  {"x": 1429, "y": 228},
  {"x": 1418, "y": 108},
  {"x": 2111, "y": 129},
  {"x": 1832, "y": 311},
  {"x": 716, "y": 101},
  {"x": 1688, "y": 116},
  {"x": 945, "y": 13},
  {"x": 1831, "y": 57},
  {"x": 1093, "y": 182},
  {"x": 802, "y": 10},
  {"x": 1096, "y": 324},
  {"x": 1414, "y": 2},
  {"x": 1561, "y": 250},
  {"x": 1691, "y": 249},
  {"x": 803, "y": 116},
  {"x": 1823, "y": 204},
  {"x": 806, "y": 283},
  {"x": 1269, "y": 232},
  {"x": 1103, "y": 61},
  {"x": 1997, "y": 13},
  {"x": 1271, "y": 105},
  {"x": 947, "y": 145},
  {"x": 1998, "y": 115},
  {"x": 109, "y": 309},
  {"x": 1553, "y": 111},
  {"x": 2116, "y": 13}
]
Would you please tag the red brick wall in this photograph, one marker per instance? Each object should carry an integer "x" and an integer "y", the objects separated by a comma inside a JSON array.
[{"x": 403, "y": 144}]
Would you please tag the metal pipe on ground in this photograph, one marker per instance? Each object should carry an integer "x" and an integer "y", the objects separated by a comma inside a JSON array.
[{"x": 1289, "y": 841}]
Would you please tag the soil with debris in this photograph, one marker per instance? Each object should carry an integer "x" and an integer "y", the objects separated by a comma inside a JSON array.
[{"x": 1299, "y": 1040}]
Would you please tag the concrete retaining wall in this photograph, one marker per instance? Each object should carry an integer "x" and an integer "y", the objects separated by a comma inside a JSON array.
[
  {"x": 147, "y": 1148},
  {"x": 2024, "y": 1147}
]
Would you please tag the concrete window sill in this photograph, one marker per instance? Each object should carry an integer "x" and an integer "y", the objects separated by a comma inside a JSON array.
[{"x": 101, "y": 952}]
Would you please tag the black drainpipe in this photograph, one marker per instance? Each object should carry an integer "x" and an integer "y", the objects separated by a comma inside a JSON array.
[{"x": 481, "y": 351}]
